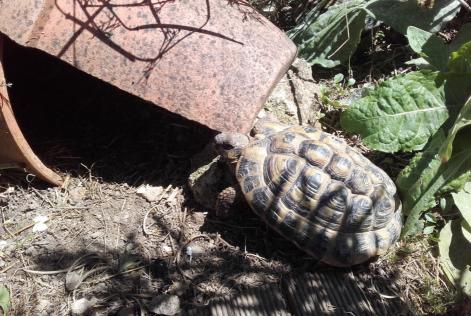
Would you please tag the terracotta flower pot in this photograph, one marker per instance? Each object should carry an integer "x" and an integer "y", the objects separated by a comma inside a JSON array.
[
  {"x": 211, "y": 61},
  {"x": 13, "y": 146}
]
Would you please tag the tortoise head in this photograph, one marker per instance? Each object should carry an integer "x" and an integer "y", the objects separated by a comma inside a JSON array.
[{"x": 230, "y": 145}]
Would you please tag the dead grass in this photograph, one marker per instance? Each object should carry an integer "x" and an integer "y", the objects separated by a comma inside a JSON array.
[{"x": 413, "y": 263}]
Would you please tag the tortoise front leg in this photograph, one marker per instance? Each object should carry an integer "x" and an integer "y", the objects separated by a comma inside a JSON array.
[{"x": 228, "y": 201}]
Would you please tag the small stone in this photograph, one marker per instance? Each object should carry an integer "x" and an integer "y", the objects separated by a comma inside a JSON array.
[
  {"x": 43, "y": 307},
  {"x": 77, "y": 194},
  {"x": 303, "y": 69},
  {"x": 48, "y": 241},
  {"x": 165, "y": 305},
  {"x": 150, "y": 193},
  {"x": 122, "y": 218},
  {"x": 9, "y": 248},
  {"x": 73, "y": 279},
  {"x": 3, "y": 244},
  {"x": 262, "y": 114},
  {"x": 166, "y": 250},
  {"x": 281, "y": 99},
  {"x": 194, "y": 250},
  {"x": 95, "y": 235},
  {"x": 30, "y": 251},
  {"x": 82, "y": 306}
]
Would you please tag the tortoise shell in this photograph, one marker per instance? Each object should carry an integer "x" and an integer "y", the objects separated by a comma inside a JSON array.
[{"x": 320, "y": 193}]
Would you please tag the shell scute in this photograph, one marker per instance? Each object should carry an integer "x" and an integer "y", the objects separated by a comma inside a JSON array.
[
  {"x": 288, "y": 226},
  {"x": 359, "y": 215},
  {"x": 383, "y": 207},
  {"x": 378, "y": 176},
  {"x": 262, "y": 199},
  {"x": 339, "y": 167},
  {"x": 285, "y": 143},
  {"x": 250, "y": 183},
  {"x": 336, "y": 143},
  {"x": 280, "y": 171},
  {"x": 247, "y": 167},
  {"x": 316, "y": 153},
  {"x": 359, "y": 181},
  {"x": 348, "y": 248},
  {"x": 313, "y": 182},
  {"x": 303, "y": 234},
  {"x": 320, "y": 242},
  {"x": 336, "y": 196}
]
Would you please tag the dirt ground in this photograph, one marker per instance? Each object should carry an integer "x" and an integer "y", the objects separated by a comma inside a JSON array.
[{"x": 107, "y": 243}]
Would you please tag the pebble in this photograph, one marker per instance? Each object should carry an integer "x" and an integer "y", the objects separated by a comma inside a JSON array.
[
  {"x": 43, "y": 308},
  {"x": 95, "y": 235},
  {"x": 30, "y": 251},
  {"x": 165, "y": 305},
  {"x": 73, "y": 279},
  {"x": 150, "y": 193},
  {"x": 82, "y": 306},
  {"x": 76, "y": 195}
]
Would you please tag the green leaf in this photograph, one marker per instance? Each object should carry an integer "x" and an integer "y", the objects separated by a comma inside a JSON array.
[
  {"x": 338, "y": 78},
  {"x": 418, "y": 227},
  {"x": 401, "y": 113},
  {"x": 460, "y": 61},
  {"x": 456, "y": 184},
  {"x": 429, "y": 46},
  {"x": 428, "y": 230},
  {"x": 417, "y": 176},
  {"x": 431, "y": 181},
  {"x": 332, "y": 38},
  {"x": 401, "y": 14},
  {"x": 463, "y": 120},
  {"x": 455, "y": 256},
  {"x": 4, "y": 299},
  {"x": 462, "y": 201},
  {"x": 420, "y": 62},
  {"x": 430, "y": 218}
]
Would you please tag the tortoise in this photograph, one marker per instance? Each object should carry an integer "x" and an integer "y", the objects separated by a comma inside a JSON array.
[{"x": 313, "y": 189}]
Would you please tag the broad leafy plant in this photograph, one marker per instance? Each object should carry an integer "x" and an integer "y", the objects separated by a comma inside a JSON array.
[
  {"x": 428, "y": 110},
  {"x": 455, "y": 243},
  {"x": 330, "y": 38}
]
